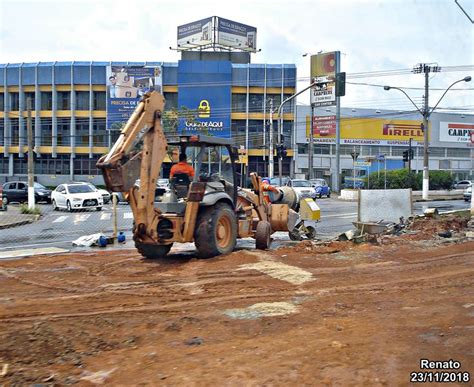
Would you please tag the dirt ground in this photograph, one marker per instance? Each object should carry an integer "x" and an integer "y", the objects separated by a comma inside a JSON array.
[{"x": 340, "y": 314}]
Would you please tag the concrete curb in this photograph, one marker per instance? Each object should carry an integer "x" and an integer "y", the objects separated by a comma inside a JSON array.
[{"x": 15, "y": 223}]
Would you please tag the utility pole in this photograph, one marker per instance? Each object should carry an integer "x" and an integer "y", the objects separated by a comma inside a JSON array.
[
  {"x": 31, "y": 183},
  {"x": 426, "y": 69},
  {"x": 311, "y": 145},
  {"x": 270, "y": 156}
]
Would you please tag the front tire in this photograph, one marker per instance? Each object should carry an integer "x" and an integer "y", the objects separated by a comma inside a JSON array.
[
  {"x": 55, "y": 206},
  {"x": 5, "y": 200},
  {"x": 262, "y": 235},
  {"x": 68, "y": 206},
  {"x": 311, "y": 234},
  {"x": 216, "y": 231}
]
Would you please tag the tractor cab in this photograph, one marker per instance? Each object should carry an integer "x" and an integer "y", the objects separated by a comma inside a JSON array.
[{"x": 213, "y": 163}]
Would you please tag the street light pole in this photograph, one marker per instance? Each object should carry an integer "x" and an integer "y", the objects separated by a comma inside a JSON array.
[{"x": 426, "y": 113}]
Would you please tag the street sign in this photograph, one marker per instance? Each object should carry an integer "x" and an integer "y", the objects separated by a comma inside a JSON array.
[{"x": 362, "y": 164}]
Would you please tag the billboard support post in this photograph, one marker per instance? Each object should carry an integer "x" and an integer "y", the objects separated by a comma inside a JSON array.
[
  {"x": 311, "y": 146},
  {"x": 336, "y": 183}
]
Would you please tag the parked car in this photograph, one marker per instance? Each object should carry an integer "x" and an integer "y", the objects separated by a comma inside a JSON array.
[
  {"x": 162, "y": 187},
  {"x": 467, "y": 195},
  {"x": 275, "y": 181},
  {"x": 3, "y": 206},
  {"x": 463, "y": 184},
  {"x": 75, "y": 196},
  {"x": 17, "y": 191},
  {"x": 105, "y": 194},
  {"x": 321, "y": 187},
  {"x": 303, "y": 188}
]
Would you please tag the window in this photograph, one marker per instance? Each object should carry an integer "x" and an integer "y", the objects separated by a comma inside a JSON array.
[
  {"x": 46, "y": 133},
  {"x": 20, "y": 166},
  {"x": 82, "y": 100},
  {"x": 15, "y": 132},
  {"x": 82, "y": 132},
  {"x": 255, "y": 103},
  {"x": 171, "y": 101},
  {"x": 14, "y": 101},
  {"x": 64, "y": 132},
  {"x": 99, "y": 133},
  {"x": 303, "y": 149},
  {"x": 99, "y": 100},
  {"x": 2, "y": 102},
  {"x": 239, "y": 103},
  {"x": 64, "y": 100},
  {"x": 437, "y": 152},
  {"x": 238, "y": 132},
  {"x": 47, "y": 165},
  {"x": 46, "y": 100},
  {"x": 459, "y": 152},
  {"x": 83, "y": 165},
  {"x": 2, "y": 133},
  {"x": 32, "y": 97},
  {"x": 4, "y": 163},
  {"x": 322, "y": 149}
]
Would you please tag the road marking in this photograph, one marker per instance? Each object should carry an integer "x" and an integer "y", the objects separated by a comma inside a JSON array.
[
  {"x": 105, "y": 216},
  {"x": 348, "y": 215},
  {"x": 128, "y": 215},
  {"x": 29, "y": 252},
  {"x": 81, "y": 218},
  {"x": 60, "y": 219},
  {"x": 292, "y": 274}
]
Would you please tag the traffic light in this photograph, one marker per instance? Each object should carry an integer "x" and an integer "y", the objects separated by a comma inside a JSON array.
[
  {"x": 405, "y": 156},
  {"x": 281, "y": 151},
  {"x": 411, "y": 154},
  {"x": 340, "y": 84},
  {"x": 354, "y": 155}
]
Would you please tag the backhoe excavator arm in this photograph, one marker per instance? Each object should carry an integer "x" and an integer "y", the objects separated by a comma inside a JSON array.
[{"x": 126, "y": 162}]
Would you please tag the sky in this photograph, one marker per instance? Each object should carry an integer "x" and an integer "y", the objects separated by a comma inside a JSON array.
[{"x": 372, "y": 36}]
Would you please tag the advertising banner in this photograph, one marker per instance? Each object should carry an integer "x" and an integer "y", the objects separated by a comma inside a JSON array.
[
  {"x": 236, "y": 35},
  {"x": 367, "y": 131},
  {"x": 125, "y": 86},
  {"x": 204, "y": 90},
  {"x": 198, "y": 33},
  {"x": 324, "y": 68},
  {"x": 455, "y": 132}
]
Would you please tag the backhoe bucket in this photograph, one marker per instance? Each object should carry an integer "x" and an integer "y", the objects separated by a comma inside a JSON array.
[{"x": 122, "y": 177}]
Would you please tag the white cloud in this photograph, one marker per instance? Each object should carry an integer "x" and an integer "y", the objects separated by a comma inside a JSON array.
[{"x": 372, "y": 35}]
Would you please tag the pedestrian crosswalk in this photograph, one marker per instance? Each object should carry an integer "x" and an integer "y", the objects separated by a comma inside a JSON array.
[{"x": 79, "y": 218}]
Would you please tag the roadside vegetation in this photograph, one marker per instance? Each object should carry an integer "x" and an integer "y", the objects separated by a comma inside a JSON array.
[
  {"x": 402, "y": 178},
  {"x": 33, "y": 211}
]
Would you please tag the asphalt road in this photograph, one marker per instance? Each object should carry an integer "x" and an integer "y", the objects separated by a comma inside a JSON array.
[{"x": 60, "y": 228}]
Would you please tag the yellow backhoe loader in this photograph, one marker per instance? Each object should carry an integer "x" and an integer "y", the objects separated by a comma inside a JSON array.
[{"x": 209, "y": 209}]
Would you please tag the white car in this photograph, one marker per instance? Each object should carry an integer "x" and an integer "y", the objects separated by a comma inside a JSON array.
[
  {"x": 105, "y": 194},
  {"x": 303, "y": 188},
  {"x": 468, "y": 194},
  {"x": 76, "y": 196}
]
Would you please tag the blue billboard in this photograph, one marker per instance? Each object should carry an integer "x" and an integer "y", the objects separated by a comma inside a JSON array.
[
  {"x": 125, "y": 86},
  {"x": 205, "y": 89}
]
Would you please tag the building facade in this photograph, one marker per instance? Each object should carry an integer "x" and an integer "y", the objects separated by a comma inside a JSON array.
[
  {"x": 374, "y": 133},
  {"x": 69, "y": 111}
]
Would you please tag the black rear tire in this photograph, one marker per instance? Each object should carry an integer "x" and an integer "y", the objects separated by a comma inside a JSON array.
[
  {"x": 153, "y": 251},
  {"x": 216, "y": 231},
  {"x": 5, "y": 200},
  {"x": 262, "y": 235}
]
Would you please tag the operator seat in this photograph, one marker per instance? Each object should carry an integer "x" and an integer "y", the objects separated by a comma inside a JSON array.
[{"x": 180, "y": 185}]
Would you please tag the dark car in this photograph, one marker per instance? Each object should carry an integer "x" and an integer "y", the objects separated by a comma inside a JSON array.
[
  {"x": 17, "y": 191},
  {"x": 3, "y": 206}
]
